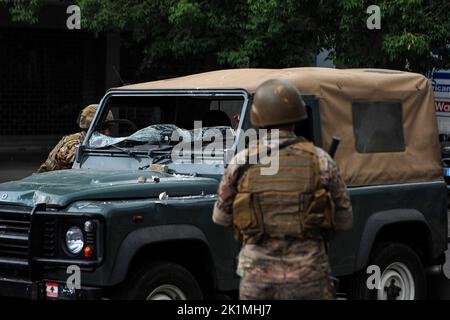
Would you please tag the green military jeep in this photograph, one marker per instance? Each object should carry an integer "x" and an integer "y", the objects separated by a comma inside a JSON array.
[{"x": 134, "y": 223}]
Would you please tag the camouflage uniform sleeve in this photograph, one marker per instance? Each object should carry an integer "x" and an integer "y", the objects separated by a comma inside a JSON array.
[
  {"x": 63, "y": 154},
  {"x": 332, "y": 180},
  {"x": 50, "y": 163},
  {"x": 223, "y": 208},
  {"x": 66, "y": 155}
]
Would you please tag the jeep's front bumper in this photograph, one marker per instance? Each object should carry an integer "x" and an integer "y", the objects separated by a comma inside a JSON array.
[{"x": 45, "y": 290}]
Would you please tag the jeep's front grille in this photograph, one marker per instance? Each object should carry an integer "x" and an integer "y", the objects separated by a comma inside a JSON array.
[
  {"x": 14, "y": 233},
  {"x": 49, "y": 243}
]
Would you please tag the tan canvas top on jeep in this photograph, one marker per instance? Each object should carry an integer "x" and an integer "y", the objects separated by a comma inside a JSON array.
[{"x": 337, "y": 90}]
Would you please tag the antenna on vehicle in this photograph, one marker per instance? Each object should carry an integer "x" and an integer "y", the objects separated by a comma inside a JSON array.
[
  {"x": 334, "y": 146},
  {"x": 118, "y": 75}
]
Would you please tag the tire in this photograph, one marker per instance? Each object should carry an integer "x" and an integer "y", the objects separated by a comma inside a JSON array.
[
  {"x": 402, "y": 276},
  {"x": 161, "y": 281}
]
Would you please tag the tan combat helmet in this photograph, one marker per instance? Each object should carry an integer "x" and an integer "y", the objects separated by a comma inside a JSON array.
[
  {"x": 87, "y": 115},
  {"x": 277, "y": 102}
]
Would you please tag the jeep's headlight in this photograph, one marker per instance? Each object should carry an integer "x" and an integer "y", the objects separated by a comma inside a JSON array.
[{"x": 74, "y": 240}]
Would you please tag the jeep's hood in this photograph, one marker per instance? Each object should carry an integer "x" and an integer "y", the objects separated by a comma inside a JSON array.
[{"x": 60, "y": 188}]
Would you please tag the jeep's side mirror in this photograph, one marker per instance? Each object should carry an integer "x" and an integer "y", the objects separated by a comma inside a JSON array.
[{"x": 79, "y": 153}]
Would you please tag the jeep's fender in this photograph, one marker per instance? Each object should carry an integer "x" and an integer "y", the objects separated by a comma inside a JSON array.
[
  {"x": 140, "y": 238},
  {"x": 376, "y": 222}
]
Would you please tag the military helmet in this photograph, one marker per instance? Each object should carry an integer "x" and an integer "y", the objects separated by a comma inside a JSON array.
[
  {"x": 87, "y": 115},
  {"x": 277, "y": 102}
]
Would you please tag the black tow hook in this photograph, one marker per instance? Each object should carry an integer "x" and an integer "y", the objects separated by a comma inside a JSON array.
[{"x": 392, "y": 291}]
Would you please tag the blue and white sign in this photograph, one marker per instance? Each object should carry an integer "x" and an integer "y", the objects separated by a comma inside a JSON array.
[{"x": 441, "y": 88}]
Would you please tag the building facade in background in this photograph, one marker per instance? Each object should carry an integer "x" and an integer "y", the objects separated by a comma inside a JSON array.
[{"x": 47, "y": 74}]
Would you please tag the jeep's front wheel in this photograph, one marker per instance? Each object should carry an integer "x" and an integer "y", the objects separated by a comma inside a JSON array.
[
  {"x": 162, "y": 281},
  {"x": 401, "y": 276}
]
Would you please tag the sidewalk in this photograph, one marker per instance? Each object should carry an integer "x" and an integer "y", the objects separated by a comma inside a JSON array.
[
  {"x": 20, "y": 164},
  {"x": 20, "y": 156}
]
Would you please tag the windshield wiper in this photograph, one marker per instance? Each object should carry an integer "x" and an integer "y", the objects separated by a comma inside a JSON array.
[
  {"x": 161, "y": 150},
  {"x": 157, "y": 155},
  {"x": 126, "y": 151}
]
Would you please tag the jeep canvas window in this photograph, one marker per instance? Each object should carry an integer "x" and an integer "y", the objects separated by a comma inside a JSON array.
[{"x": 378, "y": 127}]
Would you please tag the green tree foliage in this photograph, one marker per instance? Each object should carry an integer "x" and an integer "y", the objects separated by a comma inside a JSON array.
[
  {"x": 270, "y": 33},
  {"x": 280, "y": 33},
  {"x": 234, "y": 33},
  {"x": 170, "y": 31},
  {"x": 23, "y": 11},
  {"x": 410, "y": 30}
]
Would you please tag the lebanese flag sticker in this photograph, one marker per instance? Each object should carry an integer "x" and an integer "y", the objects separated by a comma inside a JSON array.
[{"x": 52, "y": 289}]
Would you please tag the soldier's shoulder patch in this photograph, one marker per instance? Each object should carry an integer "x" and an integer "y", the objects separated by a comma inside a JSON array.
[{"x": 324, "y": 159}]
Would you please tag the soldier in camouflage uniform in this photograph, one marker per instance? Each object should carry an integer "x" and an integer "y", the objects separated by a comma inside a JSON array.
[
  {"x": 63, "y": 154},
  {"x": 284, "y": 219}
]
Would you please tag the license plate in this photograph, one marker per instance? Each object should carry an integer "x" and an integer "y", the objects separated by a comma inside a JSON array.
[{"x": 52, "y": 289}]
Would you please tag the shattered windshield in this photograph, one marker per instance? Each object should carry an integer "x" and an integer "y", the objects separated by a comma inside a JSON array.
[
  {"x": 150, "y": 134},
  {"x": 156, "y": 134},
  {"x": 154, "y": 127}
]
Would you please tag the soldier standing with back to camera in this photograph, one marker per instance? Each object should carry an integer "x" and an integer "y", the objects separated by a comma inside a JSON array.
[
  {"x": 63, "y": 154},
  {"x": 283, "y": 219}
]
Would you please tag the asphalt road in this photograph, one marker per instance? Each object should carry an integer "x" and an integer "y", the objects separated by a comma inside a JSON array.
[{"x": 20, "y": 165}]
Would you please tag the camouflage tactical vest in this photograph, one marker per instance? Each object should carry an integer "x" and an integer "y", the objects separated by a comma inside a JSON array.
[{"x": 290, "y": 203}]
